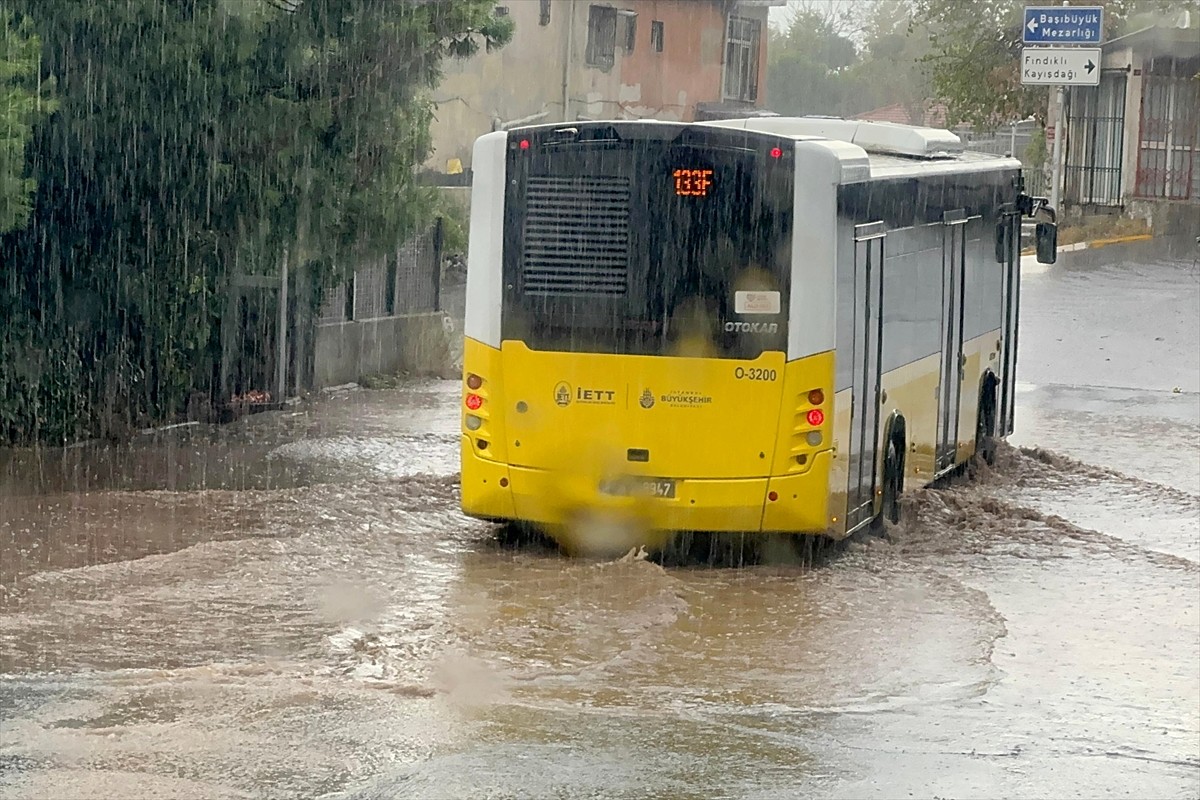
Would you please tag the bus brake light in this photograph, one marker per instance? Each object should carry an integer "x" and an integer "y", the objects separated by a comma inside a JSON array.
[
  {"x": 474, "y": 402},
  {"x": 776, "y": 152},
  {"x": 524, "y": 144},
  {"x": 816, "y": 417}
]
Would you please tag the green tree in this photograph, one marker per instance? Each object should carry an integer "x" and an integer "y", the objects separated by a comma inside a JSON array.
[
  {"x": 808, "y": 63},
  {"x": 22, "y": 101},
  {"x": 890, "y": 68},
  {"x": 196, "y": 140}
]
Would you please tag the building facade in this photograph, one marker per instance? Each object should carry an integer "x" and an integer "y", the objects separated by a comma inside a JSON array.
[
  {"x": 604, "y": 59},
  {"x": 1133, "y": 142}
]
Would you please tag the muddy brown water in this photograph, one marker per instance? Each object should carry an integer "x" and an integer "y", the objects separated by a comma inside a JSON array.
[{"x": 360, "y": 638}]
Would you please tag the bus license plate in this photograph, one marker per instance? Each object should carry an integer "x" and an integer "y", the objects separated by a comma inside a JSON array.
[{"x": 649, "y": 487}]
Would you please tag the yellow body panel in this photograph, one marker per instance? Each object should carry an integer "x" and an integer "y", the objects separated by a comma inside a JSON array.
[
  {"x": 559, "y": 425},
  {"x": 555, "y": 427}
]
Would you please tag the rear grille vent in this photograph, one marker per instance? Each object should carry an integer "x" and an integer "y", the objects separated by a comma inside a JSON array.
[{"x": 576, "y": 236}]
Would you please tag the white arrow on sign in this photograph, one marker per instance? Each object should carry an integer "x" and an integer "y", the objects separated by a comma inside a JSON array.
[
  {"x": 1060, "y": 66},
  {"x": 1033, "y": 26}
]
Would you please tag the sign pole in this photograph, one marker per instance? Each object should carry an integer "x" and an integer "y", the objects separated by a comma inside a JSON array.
[
  {"x": 1055, "y": 186},
  {"x": 1056, "y": 180}
]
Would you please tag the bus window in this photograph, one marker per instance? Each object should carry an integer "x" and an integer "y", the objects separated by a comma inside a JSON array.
[{"x": 645, "y": 246}]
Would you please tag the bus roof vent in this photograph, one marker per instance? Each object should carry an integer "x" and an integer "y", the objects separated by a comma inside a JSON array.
[
  {"x": 906, "y": 140},
  {"x": 874, "y": 137}
]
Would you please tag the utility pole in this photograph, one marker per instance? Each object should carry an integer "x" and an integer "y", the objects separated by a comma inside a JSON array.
[{"x": 1056, "y": 180}]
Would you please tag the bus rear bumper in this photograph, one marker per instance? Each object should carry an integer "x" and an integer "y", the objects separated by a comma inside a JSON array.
[{"x": 493, "y": 490}]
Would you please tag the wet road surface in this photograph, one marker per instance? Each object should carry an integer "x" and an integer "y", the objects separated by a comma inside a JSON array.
[{"x": 293, "y": 607}]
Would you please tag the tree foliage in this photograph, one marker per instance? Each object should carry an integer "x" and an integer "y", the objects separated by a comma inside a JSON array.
[
  {"x": 22, "y": 101},
  {"x": 828, "y": 62},
  {"x": 891, "y": 68},
  {"x": 807, "y": 65},
  {"x": 196, "y": 140}
]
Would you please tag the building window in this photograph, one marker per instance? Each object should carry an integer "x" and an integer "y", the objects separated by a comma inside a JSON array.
[
  {"x": 630, "y": 32},
  {"x": 602, "y": 36},
  {"x": 1168, "y": 164},
  {"x": 741, "y": 60},
  {"x": 656, "y": 36},
  {"x": 544, "y": 13},
  {"x": 1095, "y": 141}
]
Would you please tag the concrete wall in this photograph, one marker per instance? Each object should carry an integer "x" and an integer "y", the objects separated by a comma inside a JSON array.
[
  {"x": 1126, "y": 58},
  {"x": 1167, "y": 217},
  {"x": 526, "y": 80},
  {"x": 418, "y": 343}
]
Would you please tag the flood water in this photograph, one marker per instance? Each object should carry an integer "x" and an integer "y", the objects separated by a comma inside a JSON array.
[{"x": 293, "y": 607}]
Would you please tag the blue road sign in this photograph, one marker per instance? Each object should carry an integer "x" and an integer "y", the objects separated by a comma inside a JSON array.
[{"x": 1063, "y": 25}]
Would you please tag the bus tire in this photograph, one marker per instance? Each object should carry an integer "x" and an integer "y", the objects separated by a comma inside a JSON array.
[
  {"x": 893, "y": 486},
  {"x": 985, "y": 431}
]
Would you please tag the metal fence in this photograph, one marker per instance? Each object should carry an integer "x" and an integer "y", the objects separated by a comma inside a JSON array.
[
  {"x": 406, "y": 282},
  {"x": 1012, "y": 140},
  {"x": 1036, "y": 181}
]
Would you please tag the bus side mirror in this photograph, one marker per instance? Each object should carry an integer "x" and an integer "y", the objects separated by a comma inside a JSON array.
[{"x": 1046, "y": 237}]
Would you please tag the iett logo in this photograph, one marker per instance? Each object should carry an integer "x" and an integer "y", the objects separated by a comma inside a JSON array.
[{"x": 562, "y": 394}]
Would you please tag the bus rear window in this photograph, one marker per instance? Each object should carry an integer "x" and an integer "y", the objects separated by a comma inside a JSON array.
[{"x": 648, "y": 247}]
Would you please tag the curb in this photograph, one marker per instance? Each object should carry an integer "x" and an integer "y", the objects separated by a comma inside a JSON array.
[{"x": 1069, "y": 248}]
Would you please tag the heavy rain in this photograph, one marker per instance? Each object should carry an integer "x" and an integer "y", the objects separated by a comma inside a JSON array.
[{"x": 334, "y": 466}]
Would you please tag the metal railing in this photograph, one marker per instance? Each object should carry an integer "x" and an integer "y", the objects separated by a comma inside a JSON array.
[
  {"x": 406, "y": 282},
  {"x": 1036, "y": 181}
]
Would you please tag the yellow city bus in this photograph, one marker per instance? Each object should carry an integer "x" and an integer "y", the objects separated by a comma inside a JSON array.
[{"x": 770, "y": 324}]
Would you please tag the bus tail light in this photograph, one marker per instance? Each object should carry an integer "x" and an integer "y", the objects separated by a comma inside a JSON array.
[
  {"x": 816, "y": 417},
  {"x": 474, "y": 381},
  {"x": 816, "y": 397},
  {"x": 473, "y": 422},
  {"x": 474, "y": 402}
]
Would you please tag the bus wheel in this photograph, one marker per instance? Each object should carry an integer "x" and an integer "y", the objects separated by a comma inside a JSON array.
[
  {"x": 893, "y": 485},
  {"x": 985, "y": 433}
]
